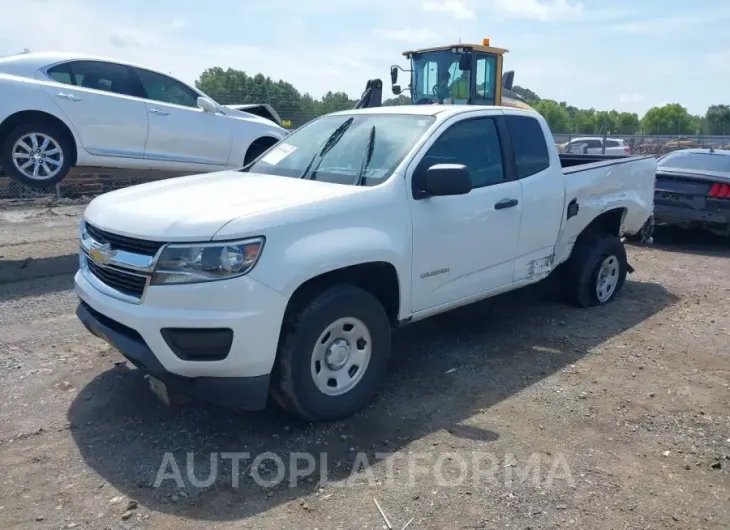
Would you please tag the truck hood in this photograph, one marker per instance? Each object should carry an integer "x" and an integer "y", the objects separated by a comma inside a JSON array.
[{"x": 194, "y": 208}]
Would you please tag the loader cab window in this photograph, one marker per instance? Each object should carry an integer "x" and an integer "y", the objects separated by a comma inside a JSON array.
[
  {"x": 437, "y": 77},
  {"x": 485, "y": 78}
]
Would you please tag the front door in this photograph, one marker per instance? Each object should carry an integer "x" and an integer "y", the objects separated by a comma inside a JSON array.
[
  {"x": 179, "y": 130},
  {"x": 464, "y": 245},
  {"x": 100, "y": 101}
]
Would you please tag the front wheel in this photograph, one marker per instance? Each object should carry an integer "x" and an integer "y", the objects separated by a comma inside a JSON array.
[
  {"x": 36, "y": 154},
  {"x": 596, "y": 270},
  {"x": 333, "y": 354}
]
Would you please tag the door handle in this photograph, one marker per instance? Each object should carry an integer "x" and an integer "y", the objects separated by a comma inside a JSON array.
[
  {"x": 69, "y": 97},
  {"x": 159, "y": 112},
  {"x": 506, "y": 203}
]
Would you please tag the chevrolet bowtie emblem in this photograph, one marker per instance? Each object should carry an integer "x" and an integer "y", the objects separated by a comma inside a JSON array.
[{"x": 102, "y": 254}]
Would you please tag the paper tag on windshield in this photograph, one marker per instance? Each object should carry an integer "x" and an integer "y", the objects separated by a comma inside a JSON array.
[{"x": 279, "y": 153}]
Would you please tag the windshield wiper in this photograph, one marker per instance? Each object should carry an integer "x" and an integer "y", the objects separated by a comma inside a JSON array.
[
  {"x": 328, "y": 144},
  {"x": 366, "y": 157}
]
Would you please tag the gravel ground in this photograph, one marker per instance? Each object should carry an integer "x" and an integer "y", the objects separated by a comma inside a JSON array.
[{"x": 519, "y": 412}]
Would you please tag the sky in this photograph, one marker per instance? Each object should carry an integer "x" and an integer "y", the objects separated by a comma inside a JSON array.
[{"x": 627, "y": 55}]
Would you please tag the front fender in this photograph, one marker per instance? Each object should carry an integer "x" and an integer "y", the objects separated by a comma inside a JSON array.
[{"x": 289, "y": 266}]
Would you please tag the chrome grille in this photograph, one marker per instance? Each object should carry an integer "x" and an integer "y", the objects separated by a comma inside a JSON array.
[
  {"x": 124, "y": 281},
  {"x": 128, "y": 244},
  {"x": 118, "y": 266}
]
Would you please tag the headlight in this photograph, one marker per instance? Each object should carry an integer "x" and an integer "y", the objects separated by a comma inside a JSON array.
[{"x": 194, "y": 263}]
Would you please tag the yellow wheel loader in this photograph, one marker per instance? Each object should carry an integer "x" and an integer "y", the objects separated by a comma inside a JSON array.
[{"x": 457, "y": 74}]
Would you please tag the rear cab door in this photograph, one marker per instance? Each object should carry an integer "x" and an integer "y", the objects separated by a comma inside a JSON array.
[
  {"x": 464, "y": 245},
  {"x": 179, "y": 130},
  {"x": 538, "y": 170},
  {"x": 101, "y": 101}
]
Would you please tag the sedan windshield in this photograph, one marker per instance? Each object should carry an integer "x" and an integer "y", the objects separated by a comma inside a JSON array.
[
  {"x": 696, "y": 161},
  {"x": 354, "y": 149}
]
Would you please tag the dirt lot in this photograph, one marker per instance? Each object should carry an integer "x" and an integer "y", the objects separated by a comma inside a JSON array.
[{"x": 518, "y": 412}]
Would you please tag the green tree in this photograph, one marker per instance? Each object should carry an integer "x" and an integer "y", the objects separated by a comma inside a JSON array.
[
  {"x": 606, "y": 121},
  {"x": 400, "y": 100},
  {"x": 717, "y": 119},
  {"x": 584, "y": 121},
  {"x": 672, "y": 118},
  {"x": 525, "y": 93},
  {"x": 557, "y": 116},
  {"x": 235, "y": 87},
  {"x": 334, "y": 101},
  {"x": 628, "y": 123}
]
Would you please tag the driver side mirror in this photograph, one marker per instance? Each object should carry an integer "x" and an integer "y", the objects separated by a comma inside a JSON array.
[
  {"x": 396, "y": 90},
  {"x": 207, "y": 105},
  {"x": 393, "y": 75},
  {"x": 444, "y": 179}
]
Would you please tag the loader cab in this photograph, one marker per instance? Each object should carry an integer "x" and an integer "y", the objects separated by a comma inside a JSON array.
[{"x": 458, "y": 74}]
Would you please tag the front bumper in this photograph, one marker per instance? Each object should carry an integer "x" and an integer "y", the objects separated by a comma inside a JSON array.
[
  {"x": 248, "y": 308},
  {"x": 243, "y": 393}
]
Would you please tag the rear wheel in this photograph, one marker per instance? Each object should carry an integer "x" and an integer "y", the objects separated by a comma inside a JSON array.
[
  {"x": 36, "y": 154},
  {"x": 333, "y": 354},
  {"x": 596, "y": 270}
]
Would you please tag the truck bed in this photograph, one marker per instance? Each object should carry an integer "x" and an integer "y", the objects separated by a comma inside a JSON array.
[
  {"x": 572, "y": 163},
  {"x": 603, "y": 183}
]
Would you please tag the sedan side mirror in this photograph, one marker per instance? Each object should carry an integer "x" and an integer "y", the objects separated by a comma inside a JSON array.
[
  {"x": 207, "y": 105},
  {"x": 445, "y": 179}
]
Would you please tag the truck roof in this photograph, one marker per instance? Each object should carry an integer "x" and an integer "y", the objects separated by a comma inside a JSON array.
[
  {"x": 474, "y": 47},
  {"x": 427, "y": 110}
]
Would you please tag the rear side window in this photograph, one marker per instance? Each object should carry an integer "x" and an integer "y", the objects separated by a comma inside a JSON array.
[
  {"x": 528, "y": 144},
  {"x": 613, "y": 143},
  {"x": 61, "y": 73},
  {"x": 97, "y": 75}
]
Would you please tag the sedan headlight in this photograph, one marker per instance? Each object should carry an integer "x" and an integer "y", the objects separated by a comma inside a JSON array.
[{"x": 195, "y": 263}]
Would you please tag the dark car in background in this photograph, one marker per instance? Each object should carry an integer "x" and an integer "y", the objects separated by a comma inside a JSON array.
[{"x": 692, "y": 189}]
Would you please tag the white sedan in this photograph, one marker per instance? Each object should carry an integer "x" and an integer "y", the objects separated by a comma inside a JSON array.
[{"x": 61, "y": 110}]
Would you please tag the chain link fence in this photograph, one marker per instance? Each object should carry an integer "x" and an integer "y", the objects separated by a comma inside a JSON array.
[{"x": 655, "y": 144}]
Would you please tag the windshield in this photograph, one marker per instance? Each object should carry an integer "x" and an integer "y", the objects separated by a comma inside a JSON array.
[
  {"x": 436, "y": 75},
  {"x": 359, "y": 147},
  {"x": 697, "y": 161}
]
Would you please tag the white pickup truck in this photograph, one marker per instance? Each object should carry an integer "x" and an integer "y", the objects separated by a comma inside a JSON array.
[{"x": 285, "y": 278}]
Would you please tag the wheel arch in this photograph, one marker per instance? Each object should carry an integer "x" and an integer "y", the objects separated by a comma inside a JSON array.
[
  {"x": 35, "y": 116},
  {"x": 608, "y": 222},
  {"x": 259, "y": 145},
  {"x": 379, "y": 278}
]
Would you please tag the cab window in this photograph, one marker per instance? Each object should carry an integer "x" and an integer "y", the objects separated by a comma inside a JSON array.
[
  {"x": 473, "y": 143},
  {"x": 485, "y": 79},
  {"x": 528, "y": 144}
]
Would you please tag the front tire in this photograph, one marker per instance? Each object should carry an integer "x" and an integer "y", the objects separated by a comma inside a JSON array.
[
  {"x": 37, "y": 155},
  {"x": 333, "y": 354},
  {"x": 596, "y": 270}
]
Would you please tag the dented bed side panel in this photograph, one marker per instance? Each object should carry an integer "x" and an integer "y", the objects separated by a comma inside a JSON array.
[{"x": 626, "y": 185}]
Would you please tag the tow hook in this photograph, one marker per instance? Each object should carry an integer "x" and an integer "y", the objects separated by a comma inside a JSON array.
[{"x": 629, "y": 269}]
